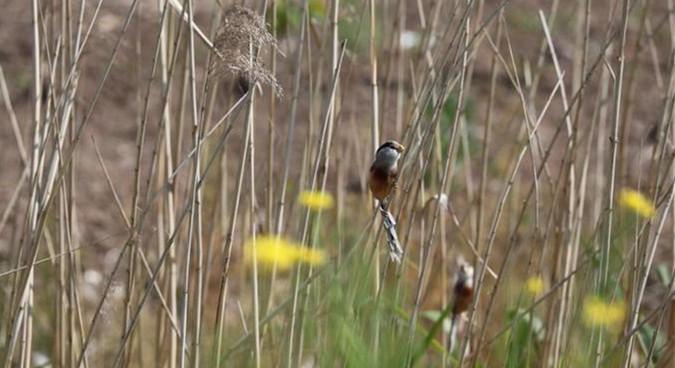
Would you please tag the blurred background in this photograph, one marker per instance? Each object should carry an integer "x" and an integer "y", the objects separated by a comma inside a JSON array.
[{"x": 140, "y": 158}]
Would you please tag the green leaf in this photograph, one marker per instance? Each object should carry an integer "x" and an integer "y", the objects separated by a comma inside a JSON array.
[
  {"x": 434, "y": 316},
  {"x": 440, "y": 322},
  {"x": 526, "y": 331},
  {"x": 648, "y": 336},
  {"x": 663, "y": 272}
]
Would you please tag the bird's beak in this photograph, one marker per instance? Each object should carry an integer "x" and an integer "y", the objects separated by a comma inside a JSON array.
[{"x": 400, "y": 147}]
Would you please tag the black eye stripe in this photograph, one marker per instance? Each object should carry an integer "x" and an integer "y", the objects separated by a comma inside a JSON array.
[{"x": 388, "y": 144}]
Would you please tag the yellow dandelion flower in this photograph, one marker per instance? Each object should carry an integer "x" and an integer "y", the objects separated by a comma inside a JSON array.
[
  {"x": 603, "y": 314},
  {"x": 316, "y": 200},
  {"x": 534, "y": 285},
  {"x": 311, "y": 256},
  {"x": 637, "y": 203},
  {"x": 270, "y": 250}
]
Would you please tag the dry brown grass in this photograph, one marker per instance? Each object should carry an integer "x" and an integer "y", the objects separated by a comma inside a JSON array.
[{"x": 138, "y": 155}]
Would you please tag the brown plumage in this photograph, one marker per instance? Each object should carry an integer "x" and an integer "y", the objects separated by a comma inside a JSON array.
[
  {"x": 463, "y": 289},
  {"x": 384, "y": 170},
  {"x": 462, "y": 299},
  {"x": 382, "y": 181}
]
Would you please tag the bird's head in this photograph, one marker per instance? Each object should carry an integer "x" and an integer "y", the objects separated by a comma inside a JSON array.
[
  {"x": 464, "y": 273},
  {"x": 391, "y": 144}
]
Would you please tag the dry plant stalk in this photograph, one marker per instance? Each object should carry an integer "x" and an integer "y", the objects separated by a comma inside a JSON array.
[{"x": 548, "y": 160}]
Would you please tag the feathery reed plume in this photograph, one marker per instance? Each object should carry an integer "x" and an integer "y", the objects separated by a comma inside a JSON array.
[{"x": 239, "y": 27}]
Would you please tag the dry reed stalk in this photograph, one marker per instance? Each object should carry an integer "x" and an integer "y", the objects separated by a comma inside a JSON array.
[
  {"x": 20, "y": 300},
  {"x": 227, "y": 247},
  {"x": 614, "y": 141},
  {"x": 496, "y": 219},
  {"x": 16, "y": 130},
  {"x": 254, "y": 224},
  {"x": 487, "y": 135},
  {"x": 280, "y": 218},
  {"x": 567, "y": 206},
  {"x": 271, "y": 131},
  {"x": 169, "y": 218},
  {"x": 570, "y": 260},
  {"x": 194, "y": 237},
  {"x": 446, "y": 171},
  {"x": 375, "y": 119},
  {"x": 130, "y": 240},
  {"x": 322, "y": 149}
]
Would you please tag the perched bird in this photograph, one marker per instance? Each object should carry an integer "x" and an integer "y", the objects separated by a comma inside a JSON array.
[
  {"x": 463, "y": 289},
  {"x": 384, "y": 170},
  {"x": 462, "y": 297},
  {"x": 382, "y": 182}
]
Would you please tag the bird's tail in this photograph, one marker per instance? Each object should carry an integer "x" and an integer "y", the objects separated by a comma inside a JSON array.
[
  {"x": 395, "y": 250},
  {"x": 452, "y": 339}
]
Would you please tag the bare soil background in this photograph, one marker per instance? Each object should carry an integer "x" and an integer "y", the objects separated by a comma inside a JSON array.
[{"x": 113, "y": 128}]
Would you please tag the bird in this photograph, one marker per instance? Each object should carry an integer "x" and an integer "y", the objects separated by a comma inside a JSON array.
[
  {"x": 463, "y": 289},
  {"x": 382, "y": 183},
  {"x": 384, "y": 170},
  {"x": 462, "y": 298}
]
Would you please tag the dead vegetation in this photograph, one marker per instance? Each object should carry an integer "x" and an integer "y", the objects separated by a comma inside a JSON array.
[{"x": 149, "y": 156}]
